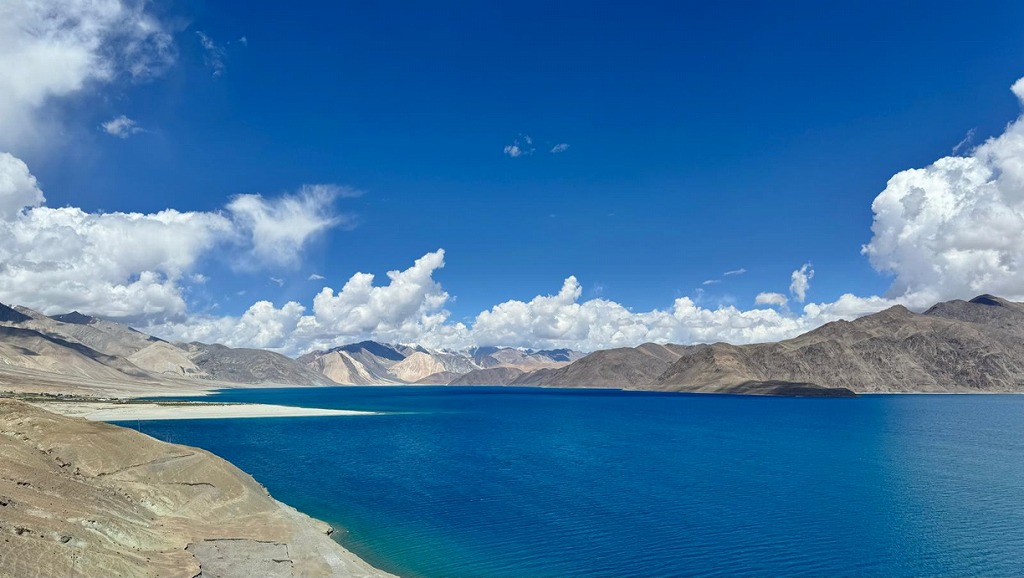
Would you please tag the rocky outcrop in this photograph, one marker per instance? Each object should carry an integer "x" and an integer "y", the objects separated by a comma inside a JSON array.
[{"x": 81, "y": 498}]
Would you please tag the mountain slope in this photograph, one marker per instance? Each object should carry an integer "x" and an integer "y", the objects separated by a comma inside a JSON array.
[
  {"x": 956, "y": 346},
  {"x": 30, "y": 349},
  {"x": 104, "y": 336},
  {"x": 251, "y": 366},
  {"x": 615, "y": 368},
  {"x": 891, "y": 351},
  {"x": 489, "y": 376},
  {"x": 993, "y": 312}
]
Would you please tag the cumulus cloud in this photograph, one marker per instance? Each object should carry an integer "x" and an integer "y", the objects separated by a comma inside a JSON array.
[
  {"x": 956, "y": 227},
  {"x": 561, "y": 320},
  {"x": 560, "y": 148},
  {"x": 18, "y": 188},
  {"x": 800, "y": 282},
  {"x": 215, "y": 54},
  {"x": 130, "y": 265},
  {"x": 410, "y": 303},
  {"x": 121, "y": 265},
  {"x": 121, "y": 127},
  {"x": 777, "y": 299},
  {"x": 48, "y": 52},
  {"x": 410, "y": 307}
]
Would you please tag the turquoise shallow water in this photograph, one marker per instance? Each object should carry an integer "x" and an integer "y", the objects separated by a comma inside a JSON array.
[{"x": 530, "y": 482}]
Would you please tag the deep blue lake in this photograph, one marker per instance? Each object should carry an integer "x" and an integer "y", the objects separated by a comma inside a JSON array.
[{"x": 501, "y": 482}]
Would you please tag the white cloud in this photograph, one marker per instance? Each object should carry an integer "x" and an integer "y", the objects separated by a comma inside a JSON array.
[
  {"x": 1018, "y": 89},
  {"x": 411, "y": 304},
  {"x": 215, "y": 54},
  {"x": 711, "y": 281},
  {"x": 123, "y": 265},
  {"x": 521, "y": 146},
  {"x": 513, "y": 151},
  {"x": 956, "y": 227},
  {"x": 121, "y": 127},
  {"x": 316, "y": 277},
  {"x": 410, "y": 307},
  {"x": 965, "y": 142},
  {"x": 18, "y": 188},
  {"x": 280, "y": 228},
  {"x": 561, "y": 320},
  {"x": 560, "y": 148},
  {"x": 130, "y": 265},
  {"x": 801, "y": 282},
  {"x": 277, "y": 281},
  {"x": 777, "y": 299},
  {"x": 739, "y": 271},
  {"x": 48, "y": 52}
]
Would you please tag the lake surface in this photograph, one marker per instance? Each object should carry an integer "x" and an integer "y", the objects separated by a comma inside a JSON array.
[{"x": 497, "y": 482}]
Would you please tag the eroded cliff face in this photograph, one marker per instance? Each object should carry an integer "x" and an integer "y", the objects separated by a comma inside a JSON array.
[{"x": 80, "y": 498}]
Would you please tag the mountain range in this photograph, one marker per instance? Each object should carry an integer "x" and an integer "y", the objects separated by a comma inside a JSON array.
[
  {"x": 955, "y": 346},
  {"x": 82, "y": 347}
]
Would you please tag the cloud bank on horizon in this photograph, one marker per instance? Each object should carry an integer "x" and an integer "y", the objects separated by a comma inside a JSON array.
[{"x": 950, "y": 230}]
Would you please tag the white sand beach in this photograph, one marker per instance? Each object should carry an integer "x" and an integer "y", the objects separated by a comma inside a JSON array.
[{"x": 106, "y": 411}]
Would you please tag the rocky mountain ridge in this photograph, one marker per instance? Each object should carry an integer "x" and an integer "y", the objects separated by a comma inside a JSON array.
[
  {"x": 74, "y": 345},
  {"x": 954, "y": 346}
]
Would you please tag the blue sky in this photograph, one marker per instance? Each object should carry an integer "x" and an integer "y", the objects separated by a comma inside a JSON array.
[{"x": 702, "y": 137}]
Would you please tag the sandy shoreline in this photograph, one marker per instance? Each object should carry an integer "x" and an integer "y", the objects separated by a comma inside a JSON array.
[{"x": 107, "y": 411}]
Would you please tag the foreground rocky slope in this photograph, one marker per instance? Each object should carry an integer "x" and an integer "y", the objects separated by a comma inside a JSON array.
[{"x": 80, "y": 498}]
